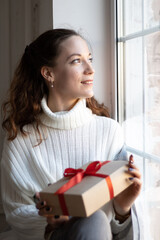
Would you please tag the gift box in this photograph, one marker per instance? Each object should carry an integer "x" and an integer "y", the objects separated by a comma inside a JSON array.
[{"x": 83, "y": 191}]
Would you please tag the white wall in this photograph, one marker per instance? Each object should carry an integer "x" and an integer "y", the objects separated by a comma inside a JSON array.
[{"x": 92, "y": 19}]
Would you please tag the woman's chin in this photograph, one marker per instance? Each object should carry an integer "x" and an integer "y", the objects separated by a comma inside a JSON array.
[{"x": 89, "y": 94}]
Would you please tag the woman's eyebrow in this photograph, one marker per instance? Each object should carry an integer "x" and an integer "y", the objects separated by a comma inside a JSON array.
[{"x": 76, "y": 54}]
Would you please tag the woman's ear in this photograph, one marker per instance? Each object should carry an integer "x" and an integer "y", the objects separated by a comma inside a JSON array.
[{"x": 47, "y": 73}]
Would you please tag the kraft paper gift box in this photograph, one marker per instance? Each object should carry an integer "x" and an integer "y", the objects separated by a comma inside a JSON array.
[{"x": 91, "y": 193}]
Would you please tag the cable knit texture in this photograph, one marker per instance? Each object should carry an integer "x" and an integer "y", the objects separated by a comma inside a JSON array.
[{"x": 70, "y": 139}]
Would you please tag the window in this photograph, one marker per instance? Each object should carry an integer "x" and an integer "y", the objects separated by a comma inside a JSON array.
[{"x": 138, "y": 63}]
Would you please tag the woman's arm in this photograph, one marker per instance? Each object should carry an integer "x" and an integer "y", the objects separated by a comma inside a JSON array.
[
  {"x": 124, "y": 216},
  {"x": 17, "y": 197}
]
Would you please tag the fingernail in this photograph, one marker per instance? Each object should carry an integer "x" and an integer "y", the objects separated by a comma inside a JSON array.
[
  {"x": 56, "y": 216},
  {"x": 130, "y": 169},
  {"x": 47, "y": 209},
  {"x": 131, "y": 161},
  {"x": 131, "y": 178},
  {"x": 36, "y": 200}
]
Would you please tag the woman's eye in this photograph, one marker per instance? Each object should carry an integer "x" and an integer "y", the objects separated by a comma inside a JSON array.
[
  {"x": 91, "y": 59},
  {"x": 77, "y": 60}
]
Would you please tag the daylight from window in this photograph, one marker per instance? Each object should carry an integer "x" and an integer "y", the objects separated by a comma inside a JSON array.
[{"x": 138, "y": 23}]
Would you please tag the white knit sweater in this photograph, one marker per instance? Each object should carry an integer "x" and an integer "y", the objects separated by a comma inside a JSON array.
[{"x": 70, "y": 139}]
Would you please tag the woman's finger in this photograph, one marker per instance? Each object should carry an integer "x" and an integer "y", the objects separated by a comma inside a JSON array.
[
  {"x": 133, "y": 166},
  {"x": 36, "y": 198},
  {"x": 41, "y": 205},
  {"x": 134, "y": 172},
  {"x": 131, "y": 159},
  {"x": 136, "y": 182},
  {"x": 45, "y": 211},
  {"x": 52, "y": 219},
  {"x": 131, "y": 163}
]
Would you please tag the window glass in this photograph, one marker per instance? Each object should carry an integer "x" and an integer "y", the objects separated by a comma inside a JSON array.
[
  {"x": 132, "y": 16},
  {"x": 151, "y": 13},
  {"x": 152, "y": 196},
  {"x": 139, "y": 74},
  {"x": 139, "y": 97},
  {"x": 152, "y": 175},
  {"x": 133, "y": 94},
  {"x": 152, "y": 93}
]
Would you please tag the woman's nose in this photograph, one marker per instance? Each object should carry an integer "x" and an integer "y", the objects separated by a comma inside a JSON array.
[{"x": 89, "y": 69}]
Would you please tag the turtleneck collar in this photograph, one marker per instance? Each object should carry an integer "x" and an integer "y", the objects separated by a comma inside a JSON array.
[{"x": 76, "y": 117}]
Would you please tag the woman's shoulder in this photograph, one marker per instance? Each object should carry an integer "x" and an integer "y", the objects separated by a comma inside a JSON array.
[
  {"x": 108, "y": 126},
  {"x": 21, "y": 141},
  {"x": 107, "y": 122}
]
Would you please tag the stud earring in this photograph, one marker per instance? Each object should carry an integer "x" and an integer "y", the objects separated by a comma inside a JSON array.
[{"x": 52, "y": 84}]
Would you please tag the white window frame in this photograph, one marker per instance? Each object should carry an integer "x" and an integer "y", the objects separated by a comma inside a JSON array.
[{"x": 119, "y": 85}]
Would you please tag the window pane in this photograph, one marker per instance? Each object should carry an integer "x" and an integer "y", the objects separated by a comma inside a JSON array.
[
  {"x": 151, "y": 13},
  {"x": 132, "y": 16},
  {"x": 133, "y": 94},
  {"x": 152, "y": 95},
  {"x": 152, "y": 175},
  {"x": 152, "y": 195}
]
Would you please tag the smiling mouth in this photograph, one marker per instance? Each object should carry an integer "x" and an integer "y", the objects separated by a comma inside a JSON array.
[{"x": 87, "y": 82}]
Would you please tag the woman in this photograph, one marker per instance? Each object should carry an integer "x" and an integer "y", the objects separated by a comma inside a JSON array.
[{"x": 53, "y": 122}]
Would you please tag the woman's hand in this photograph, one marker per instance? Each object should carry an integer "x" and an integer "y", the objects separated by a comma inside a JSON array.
[
  {"x": 123, "y": 202},
  {"x": 44, "y": 210}
]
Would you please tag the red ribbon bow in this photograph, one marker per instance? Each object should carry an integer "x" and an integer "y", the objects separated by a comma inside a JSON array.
[{"x": 77, "y": 176}]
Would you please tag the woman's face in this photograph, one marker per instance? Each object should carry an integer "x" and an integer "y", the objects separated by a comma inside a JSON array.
[{"x": 73, "y": 73}]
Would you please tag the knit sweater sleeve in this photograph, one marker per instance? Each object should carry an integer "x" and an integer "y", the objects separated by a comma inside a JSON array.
[
  {"x": 115, "y": 140},
  {"x": 129, "y": 230},
  {"x": 116, "y": 152},
  {"x": 17, "y": 196}
]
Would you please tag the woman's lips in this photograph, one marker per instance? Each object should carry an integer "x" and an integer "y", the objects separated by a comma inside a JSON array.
[{"x": 87, "y": 82}]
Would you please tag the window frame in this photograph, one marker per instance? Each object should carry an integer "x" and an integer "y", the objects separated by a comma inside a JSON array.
[{"x": 120, "y": 81}]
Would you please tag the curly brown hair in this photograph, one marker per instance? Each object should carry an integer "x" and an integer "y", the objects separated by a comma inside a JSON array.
[{"x": 28, "y": 86}]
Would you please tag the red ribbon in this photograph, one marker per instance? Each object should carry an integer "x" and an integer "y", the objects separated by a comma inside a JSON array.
[{"x": 77, "y": 176}]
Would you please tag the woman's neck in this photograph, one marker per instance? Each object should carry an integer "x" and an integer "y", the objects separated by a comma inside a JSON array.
[{"x": 57, "y": 104}]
